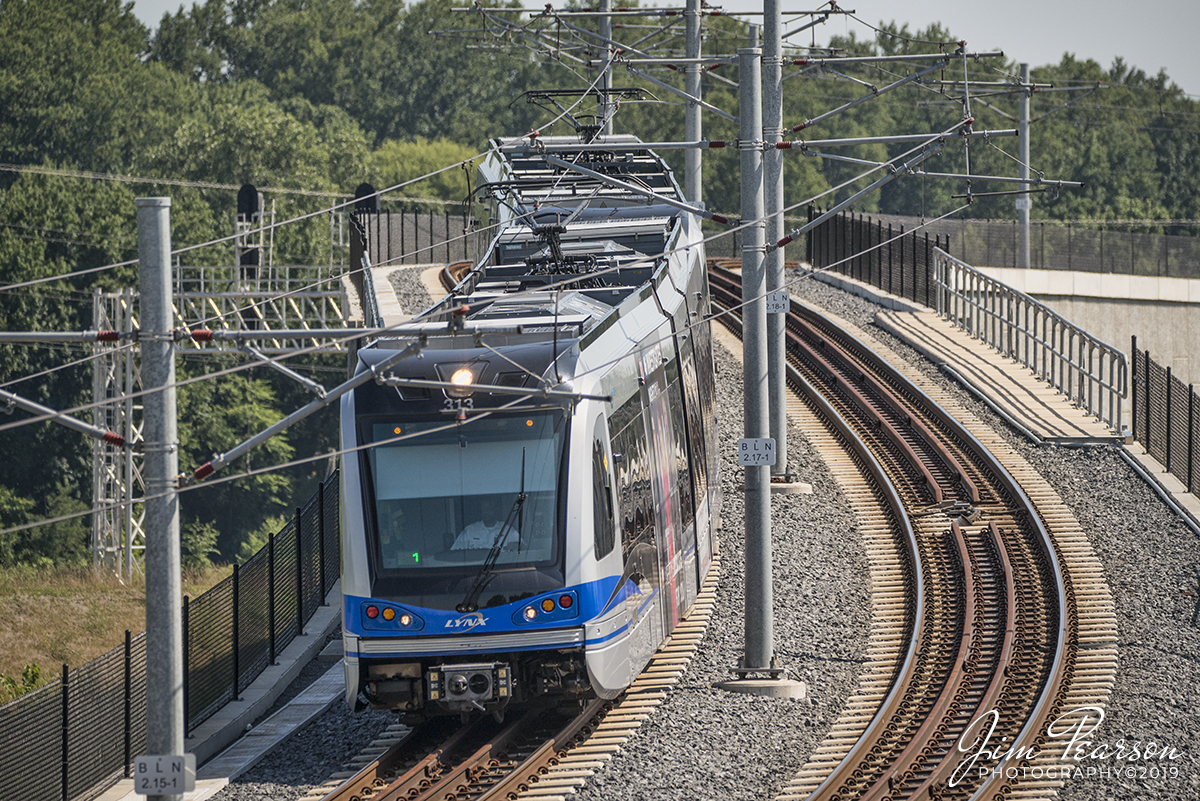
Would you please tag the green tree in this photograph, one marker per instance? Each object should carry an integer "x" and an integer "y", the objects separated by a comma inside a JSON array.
[
  {"x": 74, "y": 88},
  {"x": 198, "y": 541},
  {"x": 10, "y": 687},
  {"x": 14, "y": 511},
  {"x": 397, "y": 161},
  {"x": 215, "y": 415}
]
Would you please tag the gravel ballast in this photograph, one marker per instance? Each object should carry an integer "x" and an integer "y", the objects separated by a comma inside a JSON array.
[{"x": 704, "y": 743}]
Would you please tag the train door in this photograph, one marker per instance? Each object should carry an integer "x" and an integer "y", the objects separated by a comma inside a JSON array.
[
  {"x": 664, "y": 480},
  {"x": 695, "y": 368},
  {"x": 631, "y": 458},
  {"x": 697, "y": 456}
]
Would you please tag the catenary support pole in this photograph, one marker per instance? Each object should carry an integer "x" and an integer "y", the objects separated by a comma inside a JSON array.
[
  {"x": 758, "y": 657},
  {"x": 759, "y": 603},
  {"x": 693, "y": 127},
  {"x": 1024, "y": 202},
  {"x": 772, "y": 72},
  {"x": 605, "y": 29},
  {"x": 164, "y": 624}
]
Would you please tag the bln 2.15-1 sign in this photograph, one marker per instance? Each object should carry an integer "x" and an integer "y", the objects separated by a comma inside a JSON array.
[
  {"x": 164, "y": 775},
  {"x": 759, "y": 452}
]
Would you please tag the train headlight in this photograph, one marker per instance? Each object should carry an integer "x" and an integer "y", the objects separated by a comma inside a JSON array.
[
  {"x": 460, "y": 381},
  {"x": 548, "y": 609},
  {"x": 384, "y": 617}
]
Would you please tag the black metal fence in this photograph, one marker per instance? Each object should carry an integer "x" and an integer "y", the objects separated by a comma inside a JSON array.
[
  {"x": 418, "y": 237},
  {"x": 1166, "y": 417},
  {"x": 890, "y": 257},
  {"x": 71, "y": 739},
  {"x": 1064, "y": 246}
]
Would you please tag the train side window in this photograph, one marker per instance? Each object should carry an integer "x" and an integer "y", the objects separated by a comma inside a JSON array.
[{"x": 602, "y": 504}]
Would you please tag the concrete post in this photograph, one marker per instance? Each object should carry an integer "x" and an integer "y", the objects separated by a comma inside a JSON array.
[
  {"x": 1024, "y": 202},
  {"x": 759, "y": 603},
  {"x": 605, "y": 30},
  {"x": 693, "y": 181},
  {"x": 773, "y": 191},
  {"x": 164, "y": 590}
]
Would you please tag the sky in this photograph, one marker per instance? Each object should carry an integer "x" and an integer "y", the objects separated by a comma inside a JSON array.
[{"x": 1149, "y": 34}]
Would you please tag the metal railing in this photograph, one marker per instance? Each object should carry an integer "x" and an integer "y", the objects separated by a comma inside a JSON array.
[{"x": 1093, "y": 374}]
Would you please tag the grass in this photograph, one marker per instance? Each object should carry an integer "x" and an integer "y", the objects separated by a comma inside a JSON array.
[{"x": 49, "y": 617}]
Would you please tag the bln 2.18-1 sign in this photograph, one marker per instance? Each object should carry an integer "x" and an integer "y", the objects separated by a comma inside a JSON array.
[
  {"x": 164, "y": 775},
  {"x": 758, "y": 452}
]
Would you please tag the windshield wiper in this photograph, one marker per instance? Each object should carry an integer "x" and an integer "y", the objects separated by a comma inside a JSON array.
[{"x": 471, "y": 602}]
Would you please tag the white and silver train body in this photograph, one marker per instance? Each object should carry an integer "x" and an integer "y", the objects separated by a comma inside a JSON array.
[{"x": 533, "y": 503}]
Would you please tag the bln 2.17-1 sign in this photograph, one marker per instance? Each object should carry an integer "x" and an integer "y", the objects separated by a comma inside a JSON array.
[
  {"x": 758, "y": 452},
  {"x": 164, "y": 775}
]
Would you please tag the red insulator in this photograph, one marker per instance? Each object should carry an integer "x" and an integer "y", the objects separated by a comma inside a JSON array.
[
  {"x": 107, "y": 336},
  {"x": 114, "y": 439},
  {"x": 202, "y": 335},
  {"x": 783, "y": 241},
  {"x": 716, "y": 145},
  {"x": 203, "y": 471},
  {"x": 717, "y": 218}
]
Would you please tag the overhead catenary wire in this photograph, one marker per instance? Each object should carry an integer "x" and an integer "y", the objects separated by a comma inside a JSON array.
[
  {"x": 241, "y": 234},
  {"x": 567, "y": 282},
  {"x": 564, "y": 283},
  {"x": 323, "y": 212},
  {"x": 108, "y": 506},
  {"x": 283, "y": 295},
  {"x": 326, "y": 455},
  {"x": 112, "y": 505},
  {"x": 76, "y": 363}
]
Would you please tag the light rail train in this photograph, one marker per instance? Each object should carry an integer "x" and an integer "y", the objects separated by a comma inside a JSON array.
[{"x": 533, "y": 502}]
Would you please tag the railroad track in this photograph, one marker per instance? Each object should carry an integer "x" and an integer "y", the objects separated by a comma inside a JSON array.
[
  {"x": 989, "y": 605},
  {"x": 542, "y": 750}
]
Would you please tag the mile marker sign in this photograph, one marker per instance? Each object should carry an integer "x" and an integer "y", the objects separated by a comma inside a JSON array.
[
  {"x": 164, "y": 775},
  {"x": 758, "y": 452}
]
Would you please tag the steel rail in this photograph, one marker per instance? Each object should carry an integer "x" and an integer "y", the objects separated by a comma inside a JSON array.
[
  {"x": 922, "y": 763},
  {"x": 918, "y": 427},
  {"x": 1053, "y": 683},
  {"x": 875, "y": 470}
]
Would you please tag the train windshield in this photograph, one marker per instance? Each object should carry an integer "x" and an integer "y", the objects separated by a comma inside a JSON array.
[{"x": 450, "y": 496}]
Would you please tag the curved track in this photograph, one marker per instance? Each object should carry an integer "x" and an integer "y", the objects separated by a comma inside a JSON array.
[{"x": 987, "y": 621}]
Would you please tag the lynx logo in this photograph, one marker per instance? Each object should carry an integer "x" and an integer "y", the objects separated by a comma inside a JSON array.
[{"x": 468, "y": 621}]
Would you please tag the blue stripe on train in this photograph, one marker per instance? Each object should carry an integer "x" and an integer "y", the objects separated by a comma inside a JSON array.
[{"x": 492, "y": 620}]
